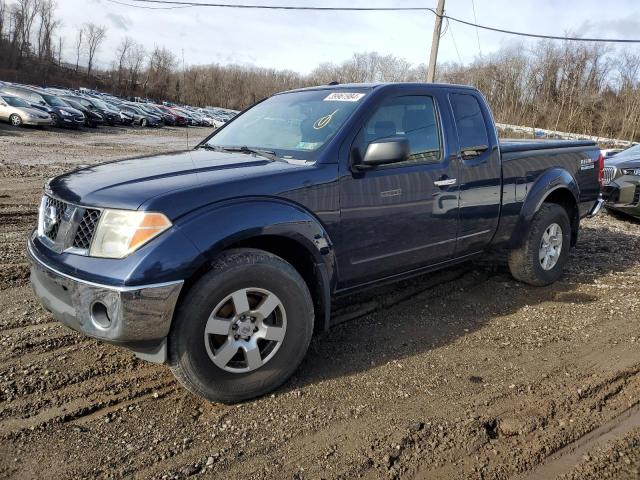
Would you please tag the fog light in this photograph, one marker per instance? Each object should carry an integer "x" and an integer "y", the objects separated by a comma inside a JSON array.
[{"x": 100, "y": 315}]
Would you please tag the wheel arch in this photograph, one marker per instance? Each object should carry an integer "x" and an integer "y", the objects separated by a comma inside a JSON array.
[
  {"x": 288, "y": 231},
  {"x": 554, "y": 186}
]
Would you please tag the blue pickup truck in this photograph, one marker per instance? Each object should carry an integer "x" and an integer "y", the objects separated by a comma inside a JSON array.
[{"x": 223, "y": 261}]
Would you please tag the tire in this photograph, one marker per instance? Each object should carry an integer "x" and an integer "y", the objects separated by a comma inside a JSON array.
[
  {"x": 526, "y": 262},
  {"x": 144, "y": 122},
  {"x": 55, "y": 119},
  {"x": 192, "y": 352},
  {"x": 16, "y": 120}
]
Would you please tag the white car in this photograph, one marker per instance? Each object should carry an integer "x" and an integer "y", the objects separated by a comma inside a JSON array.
[{"x": 18, "y": 112}]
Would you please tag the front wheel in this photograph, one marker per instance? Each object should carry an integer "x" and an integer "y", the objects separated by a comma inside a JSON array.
[
  {"x": 15, "y": 120},
  {"x": 541, "y": 258},
  {"x": 144, "y": 122},
  {"x": 243, "y": 328}
]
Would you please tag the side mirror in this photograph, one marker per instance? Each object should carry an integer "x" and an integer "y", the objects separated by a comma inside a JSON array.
[{"x": 385, "y": 151}]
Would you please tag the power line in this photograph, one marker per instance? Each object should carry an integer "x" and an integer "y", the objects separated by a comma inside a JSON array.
[
  {"x": 149, "y": 8},
  {"x": 535, "y": 35},
  {"x": 281, "y": 7},
  {"x": 381, "y": 9}
]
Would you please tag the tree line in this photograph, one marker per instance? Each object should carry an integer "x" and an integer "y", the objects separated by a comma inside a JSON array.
[{"x": 567, "y": 86}]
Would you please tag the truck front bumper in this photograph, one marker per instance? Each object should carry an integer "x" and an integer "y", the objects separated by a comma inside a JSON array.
[{"x": 136, "y": 317}]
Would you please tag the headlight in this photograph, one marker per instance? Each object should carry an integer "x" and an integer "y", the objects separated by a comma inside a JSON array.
[
  {"x": 631, "y": 171},
  {"x": 65, "y": 113},
  {"x": 121, "y": 232}
]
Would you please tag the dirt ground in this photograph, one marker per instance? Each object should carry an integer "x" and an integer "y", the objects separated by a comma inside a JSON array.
[{"x": 461, "y": 374}]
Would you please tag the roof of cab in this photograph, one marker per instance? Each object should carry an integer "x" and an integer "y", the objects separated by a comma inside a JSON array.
[{"x": 371, "y": 86}]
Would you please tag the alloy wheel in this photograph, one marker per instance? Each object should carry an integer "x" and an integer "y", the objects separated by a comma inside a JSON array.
[
  {"x": 550, "y": 246},
  {"x": 245, "y": 330}
]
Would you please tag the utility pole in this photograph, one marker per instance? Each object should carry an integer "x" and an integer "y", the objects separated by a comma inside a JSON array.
[{"x": 435, "y": 42}]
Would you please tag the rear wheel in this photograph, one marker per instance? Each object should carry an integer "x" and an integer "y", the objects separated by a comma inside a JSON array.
[
  {"x": 243, "y": 328},
  {"x": 144, "y": 122},
  {"x": 16, "y": 120},
  {"x": 545, "y": 251}
]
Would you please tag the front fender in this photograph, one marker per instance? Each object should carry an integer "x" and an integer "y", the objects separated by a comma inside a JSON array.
[
  {"x": 216, "y": 227},
  {"x": 547, "y": 183}
]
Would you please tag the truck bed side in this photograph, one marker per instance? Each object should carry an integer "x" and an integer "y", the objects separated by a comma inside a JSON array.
[{"x": 533, "y": 169}]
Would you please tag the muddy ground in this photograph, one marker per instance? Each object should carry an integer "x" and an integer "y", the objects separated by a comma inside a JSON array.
[{"x": 475, "y": 377}]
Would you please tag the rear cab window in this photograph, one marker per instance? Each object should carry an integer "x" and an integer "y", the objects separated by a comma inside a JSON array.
[{"x": 472, "y": 129}]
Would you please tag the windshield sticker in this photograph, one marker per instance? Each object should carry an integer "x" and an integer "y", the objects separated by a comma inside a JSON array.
[
  {"x": 344, "y": 97},
  {"x": 324, "y": 121},
  {"x": 308, "y": 145}
]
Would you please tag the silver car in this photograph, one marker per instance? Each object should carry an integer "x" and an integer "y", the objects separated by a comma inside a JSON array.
[{"x": 18, "y": 112}]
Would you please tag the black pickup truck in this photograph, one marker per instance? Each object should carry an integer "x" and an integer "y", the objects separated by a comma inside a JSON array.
[{"x": 224, "y": 260}]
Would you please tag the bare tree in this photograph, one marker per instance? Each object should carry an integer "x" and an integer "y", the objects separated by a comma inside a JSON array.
[
  {"x": 27, "y": 11},
  {"x": 79, "y": 46},
  {"x": 134, "y": 62},
  {"x": 48, "y": 24},
  {"x": 3, "y": 13},
  {"x": 95, "y": 36},
  {"x": 121, "y": 55},
  {"x": 60, "y": 44}
]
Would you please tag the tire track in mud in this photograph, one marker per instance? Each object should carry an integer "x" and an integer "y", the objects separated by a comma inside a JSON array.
[
  {"x": 81, "y": 409},
  {"x": 565, "y": 459},
  {"x": 86, "y": 395},
  {"x": 526, "y": 440}
]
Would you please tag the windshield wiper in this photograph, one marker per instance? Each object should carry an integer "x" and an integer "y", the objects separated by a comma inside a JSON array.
[{"x": 268, "y": 154}]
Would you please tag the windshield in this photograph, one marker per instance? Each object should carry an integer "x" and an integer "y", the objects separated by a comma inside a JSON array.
[
  {"x": 54, "y": 101},
  {"x": 74, "y": 104},
  {"x": 15, "y": 102},
  {"x": 295, "y": 124},
  {"x": 100, "y": 104}
]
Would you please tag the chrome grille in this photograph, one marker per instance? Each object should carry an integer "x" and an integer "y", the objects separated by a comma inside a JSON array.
[
  {"x": 73, "y": 228},
  {"x": 636, "y": 196},
  {"x": 86, "y": 229},
  {"x": 609, "y": 174}
]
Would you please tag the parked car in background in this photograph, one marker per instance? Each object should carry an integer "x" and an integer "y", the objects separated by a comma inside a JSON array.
[
  {"x": 167, "y": 117},
  {"x": 110, "y": 115},
  {"x": 140, "y": 117},
  {"x": 91, "y": 117},
  {"x": 62, "y": 115},
  {"x": 18, "y": 112},
  {"x": 622, "y": 182},
  {"x": 181, "y": 120},
  {"x": 190, "y": 119},
  {"x": 610, "y": 152}
]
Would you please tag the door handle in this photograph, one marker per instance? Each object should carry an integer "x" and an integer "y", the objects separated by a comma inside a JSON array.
[{"x": 445, "y": 183}]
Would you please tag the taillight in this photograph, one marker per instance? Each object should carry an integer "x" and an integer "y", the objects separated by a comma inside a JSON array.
[{"x": 601, "y": 170}]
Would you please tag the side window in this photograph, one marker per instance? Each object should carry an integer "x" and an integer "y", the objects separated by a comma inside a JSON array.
[
  {"x": 413, "y": 117},
  {"x": 472, "y": 130}
]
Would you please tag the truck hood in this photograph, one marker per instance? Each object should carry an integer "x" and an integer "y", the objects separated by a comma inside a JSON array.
[{"x": 129, "y": 183}]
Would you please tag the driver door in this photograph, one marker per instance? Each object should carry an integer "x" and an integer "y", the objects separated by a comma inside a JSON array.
[{"x": 400, "y": 216}]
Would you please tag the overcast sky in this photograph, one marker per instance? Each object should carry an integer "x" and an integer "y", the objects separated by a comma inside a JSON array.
[{"x": 300, "y": 40}]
